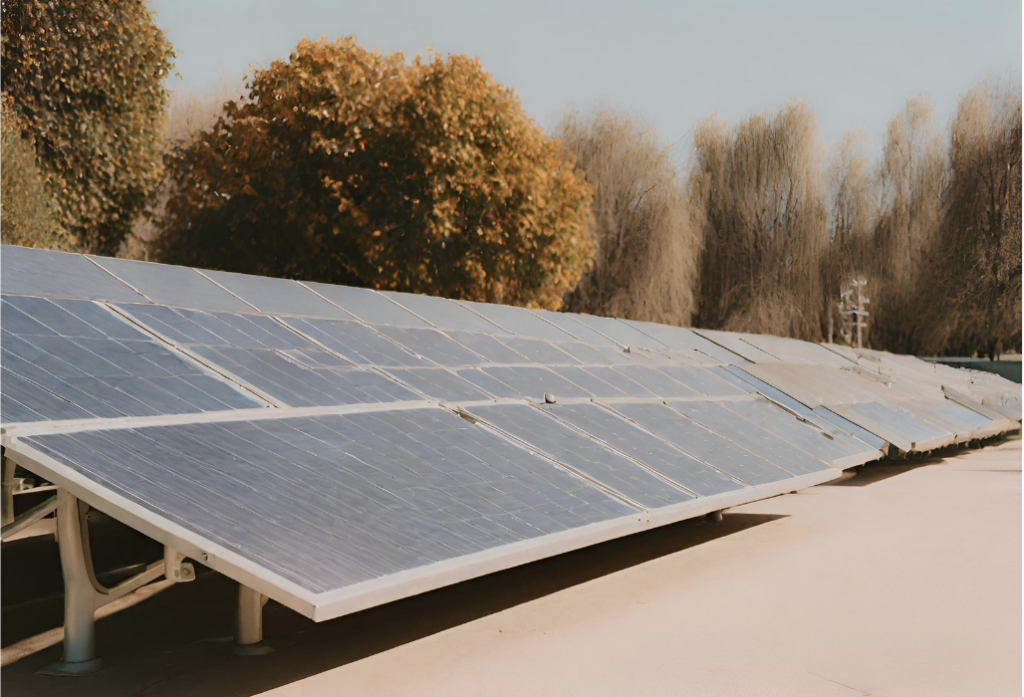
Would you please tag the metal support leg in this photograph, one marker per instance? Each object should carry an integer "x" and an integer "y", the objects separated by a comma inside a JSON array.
[
  {"x": 83, "y": 594},
  {"x": 7, "y": 492},
  {"x": 79, "y": 597},
  {"x": 249, "y": 622},
  {"x": 714, "y": 517}
]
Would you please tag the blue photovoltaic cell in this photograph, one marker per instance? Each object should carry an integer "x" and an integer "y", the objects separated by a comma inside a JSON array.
[
  {"x": 276, "y": 296},
  {"x": 368, "y": 305},
  {"x": 582, "y": 454},
  {"x": 432, "y": 345},
  {"x": 329, "y": 501},
  {"x": 76, "y": 359},
  {"x": 962, "y": 413},
  {"x": 755, "y": 439},
  {"x": 703, "y": 444},
  {"x": 356, "y": 342},
  {"x": 439, "y": 383},
  {"x": 639, "y": 444},
  {"x": 26, "y": 271},
  {"x": 443, "y": 313},
  {"x": 172, "y": 285},
  {"x": 270, "y": 357}
]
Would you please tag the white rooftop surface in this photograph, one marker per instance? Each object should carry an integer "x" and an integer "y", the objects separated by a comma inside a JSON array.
[{"x": 903, "y": 581}]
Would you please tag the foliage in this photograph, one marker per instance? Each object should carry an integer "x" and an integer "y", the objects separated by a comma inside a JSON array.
[
  {"x": 26, "y": 212},
  {"x": 758, "y": 192},
  {"x": 86, "y": 78},
  {"x": 349, "y": 166},
  {"x": 645, "y": 267}
]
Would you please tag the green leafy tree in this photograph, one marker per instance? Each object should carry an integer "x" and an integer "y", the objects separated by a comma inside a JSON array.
[
  {"x": 86, "y": 79},
  {"x": 348, "y": 166}
]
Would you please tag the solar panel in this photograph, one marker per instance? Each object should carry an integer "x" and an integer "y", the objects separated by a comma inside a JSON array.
[
  {"x": 443, "y": 313},
  {"x": 439, "y": 383},
  {"x": 96, "y": 365},
  {"x": 354, "y": 341},
  {"x": 432, "y": 345},
  {"x": 261, "y": 353},
  {"x": 172, "y": 285},
  {"x": 705, "y": 445},
  {"x": 619, "y": 332},
  {"x": 681, "y": 338},
  {"x": 324, "y": 503},
  {"x": 367, "y": 305},
  {"x": 538, "y": 351},
  {"x": 518, "y": 321},
  {"x": 755, "y": 439},
  {"x": 353, "y": 481},
  {"x": 808, "y": 438},
  {"x": 523, "y": 382},
  {"x": 644, "y": 447},
  {"x": 276, "y": 296},
  {"x": 25, "y": 271},
  {"x": 582, "y": 454},
  {"x": 572, "y": 326}
]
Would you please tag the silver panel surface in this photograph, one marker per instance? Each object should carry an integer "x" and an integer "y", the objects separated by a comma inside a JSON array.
[
  {"x": 754, "y": 438},
  {"x": 27, "y": 271},
  {"x": 276, "y": 296},
  {"x": 367, "y": 305},
  {"x": 641, "y": 445},
  {"x": 330, "y": 501},
  {"x": 567, "y": 323},
  {"x": 518, "y": 321},
  {"x": 582, "y": 454},
  {"x": 702, "y": 443},
  {"x": 443, "y": 313},
  {"x": 96, "y": 365},
  {"x": 172, "y": 285}
]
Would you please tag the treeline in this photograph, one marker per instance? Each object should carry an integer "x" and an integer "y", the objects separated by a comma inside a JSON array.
[{"x": 349, "y": 166}]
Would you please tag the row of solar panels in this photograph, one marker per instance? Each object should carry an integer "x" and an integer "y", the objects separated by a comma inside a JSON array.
[{"x": 336, "y": 447}]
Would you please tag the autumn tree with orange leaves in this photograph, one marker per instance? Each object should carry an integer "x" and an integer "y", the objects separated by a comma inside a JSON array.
[{"x": 348, "y": 166}]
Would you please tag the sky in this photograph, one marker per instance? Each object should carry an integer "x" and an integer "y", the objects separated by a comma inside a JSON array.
[{"x": 853, "y": 62}]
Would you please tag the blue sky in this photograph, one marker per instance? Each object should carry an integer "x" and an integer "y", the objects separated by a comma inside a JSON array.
[{"x": 854, "y": 62}]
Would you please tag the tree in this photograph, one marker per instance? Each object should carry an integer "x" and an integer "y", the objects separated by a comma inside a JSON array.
[
  {"x": 645, "y": 267},
  {"x": 909, "y": 184},
  {"x": 86, "y": 80},
  {"x": 758, "y": 193},
  {"x": 349, "y": 166},
  {"x": 26, "y": 211},
  {"x": 976, "y": 303}
]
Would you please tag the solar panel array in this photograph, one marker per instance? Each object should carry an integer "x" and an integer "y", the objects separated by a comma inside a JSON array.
[{"x": 340, "y": 447}]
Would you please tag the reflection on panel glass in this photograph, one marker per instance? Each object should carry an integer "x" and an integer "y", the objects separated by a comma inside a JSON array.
[
  {"x": 75, "y": 359},
  {"x": 329, "y": 501}
]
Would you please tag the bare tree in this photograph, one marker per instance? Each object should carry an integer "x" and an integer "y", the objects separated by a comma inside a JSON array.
[
  {"x": 977, "y": 256},
  {"x": 758, "y": 190},
  {"x": 909, "y": 183},
  {"x": 645, "y": 266}
]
